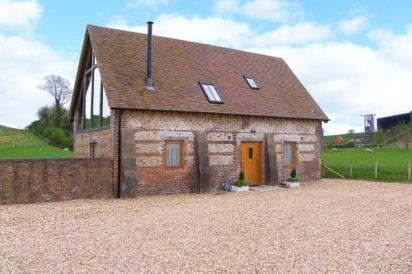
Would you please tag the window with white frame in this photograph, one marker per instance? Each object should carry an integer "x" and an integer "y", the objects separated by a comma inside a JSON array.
[{"x": 211, "y": 93}]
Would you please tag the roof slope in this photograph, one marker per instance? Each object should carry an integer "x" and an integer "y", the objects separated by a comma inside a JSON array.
[{"x": 179, "y": 65}]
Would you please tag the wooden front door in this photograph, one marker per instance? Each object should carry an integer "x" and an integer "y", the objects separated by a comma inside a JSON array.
[{"x": 250, "y": 161}]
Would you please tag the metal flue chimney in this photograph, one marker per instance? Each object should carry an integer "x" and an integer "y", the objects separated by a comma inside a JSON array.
[{"x": 149, "y": 77}]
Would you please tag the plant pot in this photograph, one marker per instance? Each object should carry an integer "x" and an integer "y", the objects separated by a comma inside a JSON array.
[
  {"x": 291, "y": 184},
  {"x": 239, "y": 189}
]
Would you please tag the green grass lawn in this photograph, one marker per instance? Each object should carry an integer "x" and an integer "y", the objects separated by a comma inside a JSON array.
[
  {"x": 34, "y": 151},
  {"x": 392, "y": 163},
  {"x": 22, "y": 144}
]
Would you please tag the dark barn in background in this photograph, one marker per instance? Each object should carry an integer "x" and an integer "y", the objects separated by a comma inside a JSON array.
[{"x": 386, "y": 123}]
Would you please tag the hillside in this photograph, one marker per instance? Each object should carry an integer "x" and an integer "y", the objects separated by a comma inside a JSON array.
[
  {"x": 347, "y": 136},
  {"x": 18, "y": 144}
]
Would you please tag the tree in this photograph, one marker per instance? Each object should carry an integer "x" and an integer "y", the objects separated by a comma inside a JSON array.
[
  {"x": 58, "y": 87},
  {"x": 403, "y": 133},
  {"x": 53, "y": 121},
  {"x": 379, "y": 137},
  {"x": 351, "y": 131}
]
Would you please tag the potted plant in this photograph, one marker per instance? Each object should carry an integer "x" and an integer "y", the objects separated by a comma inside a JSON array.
[
  {"x": 293, "y": 180},
  {"x": 240, "y": 185}
]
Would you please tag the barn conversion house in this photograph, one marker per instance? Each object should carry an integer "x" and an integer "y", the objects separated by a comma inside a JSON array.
[{"x": 179, "y": 116}]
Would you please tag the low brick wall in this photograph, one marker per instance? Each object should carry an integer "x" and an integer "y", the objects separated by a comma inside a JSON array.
[{"x": 31, "y": 181}]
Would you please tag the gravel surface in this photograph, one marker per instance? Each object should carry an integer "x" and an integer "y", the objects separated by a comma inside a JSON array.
[{"x": 332, "y": 226}]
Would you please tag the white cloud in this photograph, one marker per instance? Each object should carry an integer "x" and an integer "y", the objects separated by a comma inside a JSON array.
[
  {"x": 270, "y": 10},
  {"x": 227, "y": 32},
  {"x": 19, "y": 14},
  {"x": 345, "y": 78},
  {"x": 23, "y": 63},
  {"x": 303, "y": 32},
  {"x": 348, "y": 80},
  {"x": 353, "y": 25},
  {"x": 396, "y": 47},
  {"x": 212, "y": 30}
]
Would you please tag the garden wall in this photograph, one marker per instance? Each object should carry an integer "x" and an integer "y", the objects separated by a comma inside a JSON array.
[{"x": 31, "y": 181}]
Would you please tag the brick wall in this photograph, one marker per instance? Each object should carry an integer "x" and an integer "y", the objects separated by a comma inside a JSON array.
[
  {"x": 30, "y": 181},
  {"x": 225, "y": 134},
  {"x": 102, "y": 138}
]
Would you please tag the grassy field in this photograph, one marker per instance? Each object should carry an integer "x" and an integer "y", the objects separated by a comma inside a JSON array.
[
  {"x": 22, "y": 144},
  {"x": 392, "y": 163}
]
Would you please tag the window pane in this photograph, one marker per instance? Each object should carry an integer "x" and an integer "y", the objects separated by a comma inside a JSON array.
[
  {"x": 96, "y": 100},
  {"x": 106, "y": 110},
  {"x": 251, "y": 82},
  {"x": 250, "y": 153},
  {"x": 288, "y": 154},
  {"x": 214, "y": 92},
  {"x": 209, "y": 94},
  {"x": 88, "y": 101},
  {"x": 173, "y": 155}
]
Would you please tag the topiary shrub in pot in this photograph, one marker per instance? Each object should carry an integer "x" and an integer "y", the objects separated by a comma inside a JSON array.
[
  {"x": 293, "y": 180},
  {"x": 240, "y": 185}
]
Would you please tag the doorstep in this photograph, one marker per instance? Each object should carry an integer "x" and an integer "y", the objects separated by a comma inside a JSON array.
[{"x": 264, "y": 188}]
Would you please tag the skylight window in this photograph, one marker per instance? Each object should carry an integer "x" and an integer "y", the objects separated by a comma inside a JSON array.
[
  {"x": 251, "y": 82},
  {"x": 211, "y": 93}
]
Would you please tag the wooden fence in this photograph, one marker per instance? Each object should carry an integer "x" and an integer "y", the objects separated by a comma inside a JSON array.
[{"x": 372, "y": 171}]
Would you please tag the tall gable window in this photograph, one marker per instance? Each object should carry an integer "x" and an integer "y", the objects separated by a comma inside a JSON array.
[
  {"x": 211, "y": 93},
  {"x": 94, "y": 108},
  {"x": 251, "y": 82}
]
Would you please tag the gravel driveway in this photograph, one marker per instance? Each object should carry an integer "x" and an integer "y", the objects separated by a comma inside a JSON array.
[{"x": 327, "y": 226}]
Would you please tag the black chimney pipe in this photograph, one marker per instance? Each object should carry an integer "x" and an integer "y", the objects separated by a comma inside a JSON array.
[{"x": 149, "y": 77}]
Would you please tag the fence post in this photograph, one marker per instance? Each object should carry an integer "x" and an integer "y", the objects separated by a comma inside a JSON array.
[
  {"x": 409, "y": 170},
  {"x": 322, "y": 170},
  {"x": 376, "y": 169},
  {"x": 350, "y": 168}
]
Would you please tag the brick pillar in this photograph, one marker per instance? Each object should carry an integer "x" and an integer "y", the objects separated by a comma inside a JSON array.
[
  {"x": 271, "y": 171},
  {"x": 203, "y": 161},
  {"x": 128, "y": 180}
]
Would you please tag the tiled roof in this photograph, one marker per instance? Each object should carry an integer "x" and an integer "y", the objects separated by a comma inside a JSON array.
[{"x": 178, "y": 66}]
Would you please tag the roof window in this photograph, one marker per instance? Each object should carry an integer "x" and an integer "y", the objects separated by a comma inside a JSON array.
[
  {"x": 211, "y": 93},
  {"x": 251, "y": 82}
]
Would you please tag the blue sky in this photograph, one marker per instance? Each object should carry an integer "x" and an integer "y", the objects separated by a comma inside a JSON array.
[{"x": 354, "y": 57}]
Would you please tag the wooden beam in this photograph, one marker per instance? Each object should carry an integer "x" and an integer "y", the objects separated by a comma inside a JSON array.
[
  {"x": 84, "y": 103},
  {"x": 92, "y": 96},
  {"x": 101, "y": 102}
]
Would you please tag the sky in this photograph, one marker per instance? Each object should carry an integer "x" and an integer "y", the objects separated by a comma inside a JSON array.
[{"x": 354, "y": 57}]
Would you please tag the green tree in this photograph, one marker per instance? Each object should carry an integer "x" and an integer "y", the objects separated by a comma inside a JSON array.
[
  {"x": 403, "y": 133},
  {"x": 59, "y": 88},
  {"x": 379, "y": 137},
  {"x": 53, "y": 121}
]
